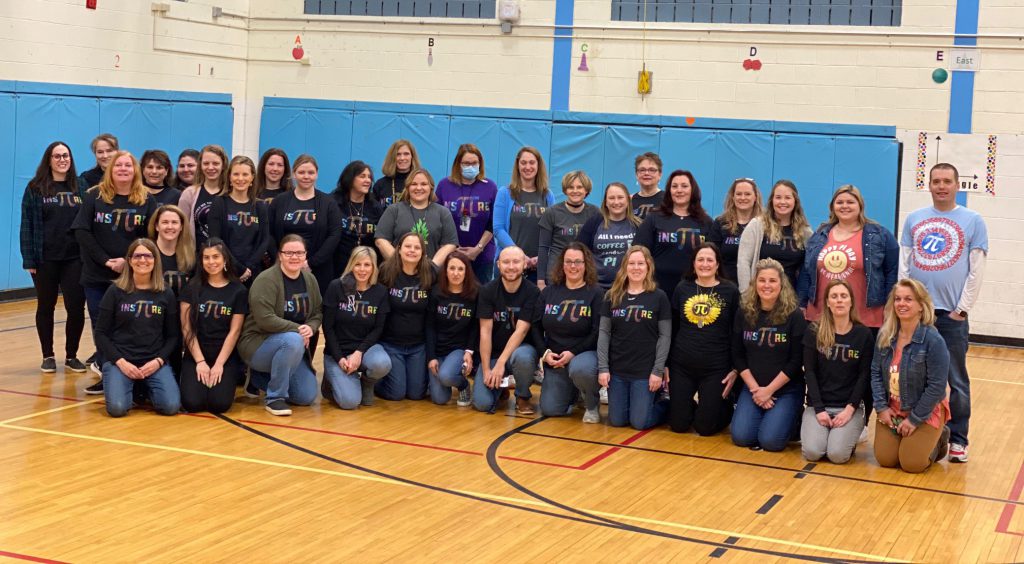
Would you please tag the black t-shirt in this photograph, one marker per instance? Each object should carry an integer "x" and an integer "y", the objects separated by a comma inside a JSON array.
[
  {"x": 729, "y": 244},
  {"x": 407, "y": 318},
  {"x": 167, "y": 196},
  {"x": 786, "y": 252},
  {"x": 642, "y": 205},
  {"x": 703, "y": 323},
  {"x": 634, "y": 332},
  {"x": 173, "y": 278},
  {"x": 505, "y": 310},
  {"x": 671, "y": 240},
  {"x": 387, "y": 188},
  {"x": 297, "y": 216},
  {"x": 840, "y": 377},
  {"x": 296, "y": 299},
  {"x": 243, "y": 228},
  {"x": 569, "y": 319},
  {"x": 137, "y": 326},
  {"x": 213, "y": 309},
  {"x": 268, "y": 195},
  {"x": 358, "y": 224},
  {"x": 353, "y": 321},
  {"x": 451, "y": 324},
  {"x": 200, "y": 215},
  {"x": 768, "y": 349},
  {"x": 108, "y": 230},
  {"x": 59, "y": 212}
]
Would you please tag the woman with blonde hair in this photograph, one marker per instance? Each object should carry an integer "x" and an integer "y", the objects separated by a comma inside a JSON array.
[
  {"x": 519, "y": 207},
  {"x": 400, "y": 160},
  {"x": 768, "y": 354},
  {"x": 909, "y": 373},
  {"x": 779, "y": 233},
  {"x": 197, "y": 200},
  {"x": 742, "y": 204},
  {"x": 562, "y": 222},
  {"x": 137, "y": 331},
  {"x": 113, "y": 214},
  {"x": 837, "y": 362},
  {"x": 609, "y": 234},
  {"x": 633, "y": 343},
  {"x": 168, "y": 229}
]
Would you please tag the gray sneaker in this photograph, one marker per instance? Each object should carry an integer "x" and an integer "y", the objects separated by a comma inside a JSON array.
[
  {"x": 278, "y": 407},
  {"x": 465, "y": 396},
  {"x": 367, "y": 388},
  {"x": 592, "y": 416},
  {"x": 74, "y": 365},
  {"x": 603, "y": 395},
  {"x": 49, "y": 365}
]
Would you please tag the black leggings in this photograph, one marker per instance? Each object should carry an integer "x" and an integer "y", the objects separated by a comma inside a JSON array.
[
  {"x": 50, "y": 277},
  {"x": 711, "y": 413},
  {"x": 196, "y": 397}
]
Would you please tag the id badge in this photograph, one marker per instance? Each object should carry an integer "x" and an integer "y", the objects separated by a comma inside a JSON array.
[{"x": 464, "y": 223}]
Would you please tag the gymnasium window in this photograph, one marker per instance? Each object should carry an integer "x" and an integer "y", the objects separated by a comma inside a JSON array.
[
  {"x": 786, "y": 12},
  {"x": 480, "y": 9}
]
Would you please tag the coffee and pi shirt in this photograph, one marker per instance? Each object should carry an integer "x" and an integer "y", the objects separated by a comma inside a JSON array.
[
  {"x": 634, "y": 332},
  {"x": 506, "y": 309},
  {"x": 407, "y": 320},
  {"x": 214, "y": 310},
  {"x": 941, "y": 245},
  {"x": 609, "y": 245}
]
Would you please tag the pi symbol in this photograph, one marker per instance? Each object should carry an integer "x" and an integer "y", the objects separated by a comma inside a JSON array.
[{"x": 933, "y": 243}]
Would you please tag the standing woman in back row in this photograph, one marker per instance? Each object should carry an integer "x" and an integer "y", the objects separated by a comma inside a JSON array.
[
  {"x": 360, "y": 211},
  {"x": 185, "y": 174},
  {"x": 241, "y": 221},
  {"x": 211, "y": 182},
  {"x": 519, "y": 207},
  {"x": 273, "y": 175},
  {"x": 113, "y": 214},
  {"x": 469, "y": 196},
  {"x": 308, "y": 212},
  {"x": 562, "y": 222},
  {"x": 742, "y": 204},
  {"x": 779, "y": 233},
  {"x": 609, "y": 234},
  {"x": 417, "y": 211},
  {"x": 674, "y": 229},
  {"x": 398, "y": 163},
  {"x": 104, "y": 147},
  {"x": 50, "y": 254}
]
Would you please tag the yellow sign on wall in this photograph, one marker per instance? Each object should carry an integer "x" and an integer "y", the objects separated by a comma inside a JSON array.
[{"x": 644, "y": 82}]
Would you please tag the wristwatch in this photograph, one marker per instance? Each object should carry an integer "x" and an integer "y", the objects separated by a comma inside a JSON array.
[{"x": 961, "y": 313}]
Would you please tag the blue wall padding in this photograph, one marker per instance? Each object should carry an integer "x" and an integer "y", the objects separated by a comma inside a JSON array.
[
  {"x": 574, "y": 147},
  {"x": 691, "y": 149},
  {"x": 872, "y": 165},
  {"x": 808, "y": 160},
  {"x": 39, "y": 113},
  {"x": 741, "y": 154},
  {"x": 621, "y": 145}
]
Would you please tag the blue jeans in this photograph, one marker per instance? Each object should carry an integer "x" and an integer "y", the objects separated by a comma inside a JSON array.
[
  {"x": 93, "y": 297},
  {"x": 408, "y": 376},
  {"x": 347, "y": 388},
  {"x": 163, "y": 390},
  {"x": 955, "y": 334},
  {"x": 449, "y": 375},
  {"x": 558, "y": 391},
  {"x": 631, "y": 402},
  {"x": 484, "y": 271},
  {"x": 772, "y": 428},
  {"x": 283, "y": 355},
  {"x": 521, "y": 365}
]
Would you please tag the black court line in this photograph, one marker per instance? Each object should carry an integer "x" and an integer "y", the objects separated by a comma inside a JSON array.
[
  {"x": 9, "y": 329},
  {"x": 719, "y": 552},
  {"x": 589, "y": 520},
  {"x": 492, "y": 461},
  {"x": 768, "y": 505},
  {"x": 803, "y": 471},
  {"x": 784, "y": 469}
]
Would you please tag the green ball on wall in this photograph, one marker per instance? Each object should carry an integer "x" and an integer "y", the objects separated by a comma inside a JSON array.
[{"x": 939, "y": 76}]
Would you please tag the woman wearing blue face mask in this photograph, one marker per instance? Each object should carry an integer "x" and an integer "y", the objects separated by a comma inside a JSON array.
[{"x": 469, "y": 195}]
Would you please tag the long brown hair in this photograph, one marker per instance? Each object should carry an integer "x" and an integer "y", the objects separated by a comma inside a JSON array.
[
  {"x": 557, "y": 274},
  {"x": 621, "y": 283},
  {"x": 470, "y": 286},
  {"x": 261, "y": 171},
  {"x": 853, "y": 191},
  {"x": 785, "y": 305},
  {"x": 891, "y": 325},
  {"x": 390, "y": 166},
  {"x": 184, "y": 248},
  {"x": 392, "y": 266},
  {"x": 126, "y": 281},
  {"x": 541, "y": 182},
  {"x": 798, "y": 221},
  {"x": 826, "y": 326},
  {"x": 222, "y": 180},
  {"x": 730, "y": 219},
  {"x": 43, "y": 183},
  {"x": 242, "y": 160},
  {"x": 694, "y": 209},
  {"x": 138, "y": 193},
  {"x": 456, "y": 175}
]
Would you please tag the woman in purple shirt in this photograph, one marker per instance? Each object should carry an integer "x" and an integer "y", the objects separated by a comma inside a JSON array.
[{"x": 469, "y": 195}]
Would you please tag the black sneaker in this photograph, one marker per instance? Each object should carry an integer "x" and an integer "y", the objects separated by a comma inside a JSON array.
[
  {"x": 366, "y": 387},
  {"x": 278, "y": 407},
  {"x": 91, "y": 359},
  {"x": 74, "y": 365},
  {"x": 96, "y": 368},
  {"x": 49, "y": 365},
  {"x": 325, "y": 388},
  {"x": 942, "y": 447},
  {"x": 95, "y": 389}
]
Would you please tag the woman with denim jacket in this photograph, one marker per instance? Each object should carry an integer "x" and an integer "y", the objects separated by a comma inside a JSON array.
[{"x": 908, "y": 382}]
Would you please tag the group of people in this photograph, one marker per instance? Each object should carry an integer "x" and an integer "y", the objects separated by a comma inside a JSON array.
[{"x": 219, "y": 273}]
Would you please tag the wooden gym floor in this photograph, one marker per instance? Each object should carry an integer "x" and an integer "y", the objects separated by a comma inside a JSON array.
[{"x": 412, "y": 482}]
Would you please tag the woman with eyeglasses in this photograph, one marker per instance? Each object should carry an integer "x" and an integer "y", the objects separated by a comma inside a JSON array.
[
  {"x": 562, "y": 222},
  {"x": 241, "y": 221},
  {"x": 104, "y": 148},
  {"x": 273, "y": 175},
  {"x": 285, "y": 312},
  {"x": 609, "y": 234},
  {"x": 400, "y": 160},
  {"x": 113, "y": 214},
  {"x": 213, "y": 307},
  {"x": 197, "y": 200},
  {"x": 50, "y": 255},
  {"x": 136, "y": 331},
  {"x": 519, "y": 207},
  {"x": 779, "y": 233},
  {"x": 742, "y": 204},
  {"x": 156, "y": 173},
  {"x": 469, "y": 196}
]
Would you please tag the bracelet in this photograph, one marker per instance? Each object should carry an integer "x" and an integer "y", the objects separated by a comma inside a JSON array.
[{"x": 201, "y": 360}]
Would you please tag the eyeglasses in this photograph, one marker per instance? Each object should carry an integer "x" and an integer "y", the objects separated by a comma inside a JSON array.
[
  {"x": 294, "y": 254},
  {"x": 63, "y": 157},
  {"x": 577, "y": 262},
  {"x": 142, "y": 256},
  {"x": 648, "y": 170}
]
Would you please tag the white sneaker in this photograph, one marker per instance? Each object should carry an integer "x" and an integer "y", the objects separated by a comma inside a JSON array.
[
  {"x": 465, "y": 396},
  {"x": 603, "y": 395},
  {"x": 592, "y": 416},
  {"x": 957, "y": 452},
  {"x": 863, "y": 435}
]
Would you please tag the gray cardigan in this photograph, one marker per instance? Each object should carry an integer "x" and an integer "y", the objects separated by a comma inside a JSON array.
[{"x": 266, "y": 311}]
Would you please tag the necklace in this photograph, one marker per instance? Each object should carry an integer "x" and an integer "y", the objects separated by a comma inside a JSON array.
[{"x": 356, "y": 220}]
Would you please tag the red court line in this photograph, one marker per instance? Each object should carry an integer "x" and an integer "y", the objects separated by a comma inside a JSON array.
[
  {"x": 17, "y": 556},
  {"x": 613, "y": 450},
  {"x": 1007, "y": 515},
  {"x": 65, "y": 398}
]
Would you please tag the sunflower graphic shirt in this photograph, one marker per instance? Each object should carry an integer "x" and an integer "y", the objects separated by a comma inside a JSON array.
[{"x": 702, "y": 325}]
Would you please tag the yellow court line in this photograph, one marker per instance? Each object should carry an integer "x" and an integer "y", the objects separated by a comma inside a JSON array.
[
  {"x": 477, "y": 494},
  {"x": 997, "y": 381},
  {"x": 54, "y": 410}
]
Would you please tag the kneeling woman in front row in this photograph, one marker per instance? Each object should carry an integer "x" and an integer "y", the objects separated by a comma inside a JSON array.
[
  {"x": 285, "y": 312},
  {"x": 355, "y": 309},
  {"x": 768, "y": 354},
  {"x": 136, "y": 331},
  {"x": 633, "y": 345},
  {"x": 213, "y": 308},
  {"x": 909, "y": 373}
]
